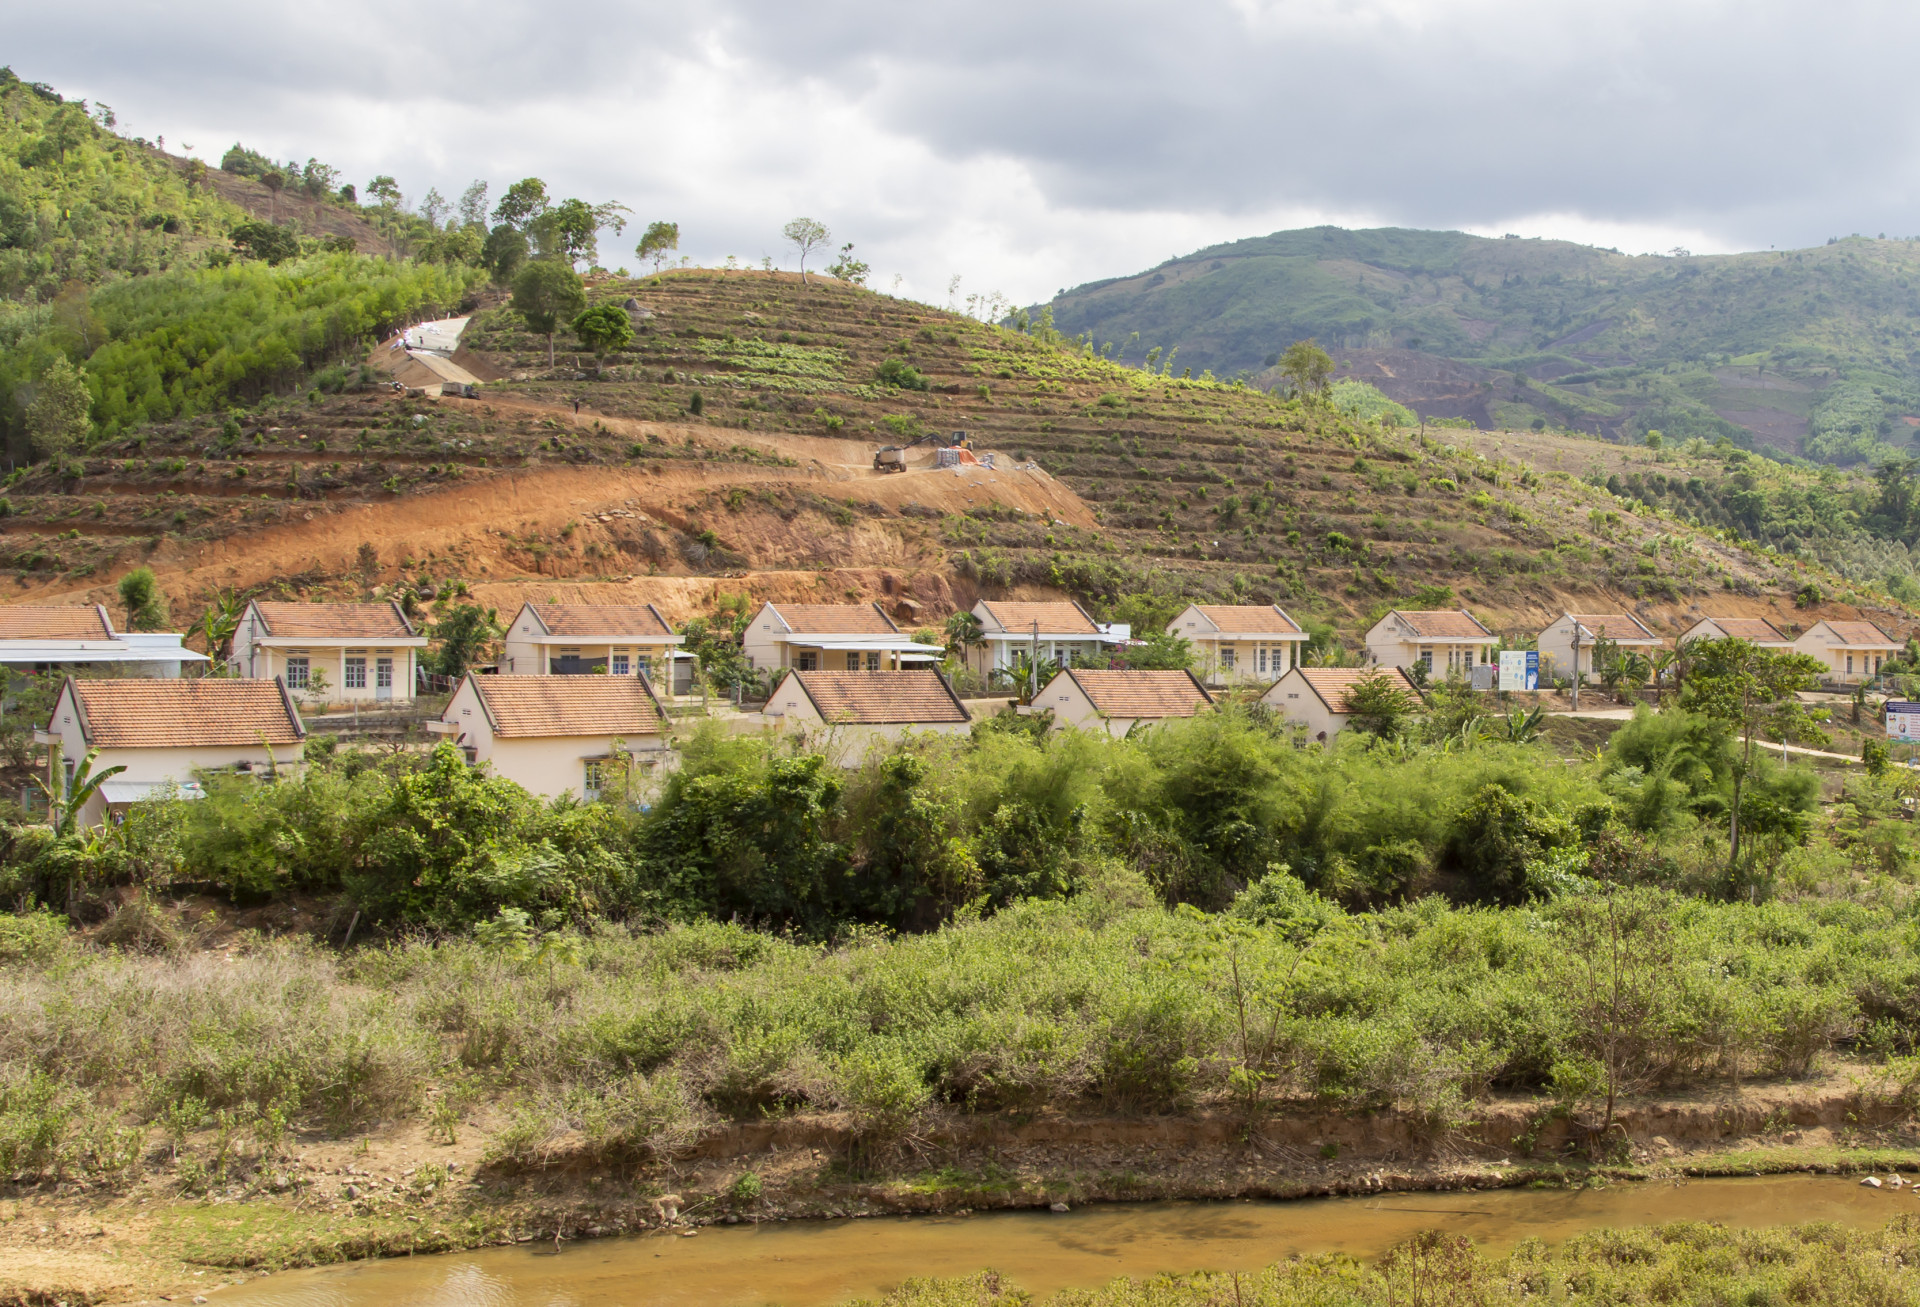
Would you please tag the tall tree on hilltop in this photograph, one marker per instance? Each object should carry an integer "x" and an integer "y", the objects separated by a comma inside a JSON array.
[
  {"x": 547, "y": 292},
  {"x": 524, "y": 202},
  {"x": 657, "y": 240},
  {"x": 806, "y": 236},
  {"x": 1307, "y": 368}
]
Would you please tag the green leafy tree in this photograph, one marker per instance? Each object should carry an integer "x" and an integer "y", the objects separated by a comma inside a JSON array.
[
  {"x": 659, "y": 239},
  {"x": 386, "y": 191},
  {"x": 1378, "y": 705},
  {"x": 461, "y": 638},
  {"x": 219, "y": 622},
  {"x": 143, "y": 601},
  {"x": 504, "y": 253},
  {"x": 1160, "y": 650},
  {"x": 524, "y": 202},
  {"x": 546, "y": 293},
  {"x": 275, "y": 181},
  {"x": 1307, "y": 368},
  {"x": 270, "y": 244},
  {"x": 1736, "y": 682},
  {"x": 806, "y": 236},
  {"x": 603, "y": 329},
  {"x": 849, "y": 269},
  {"x": 57, "y": 419},
  {"x": 569, "y": 231}
]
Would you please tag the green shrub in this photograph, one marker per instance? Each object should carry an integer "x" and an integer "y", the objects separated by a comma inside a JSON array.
[{"x": 900, "y": 374}]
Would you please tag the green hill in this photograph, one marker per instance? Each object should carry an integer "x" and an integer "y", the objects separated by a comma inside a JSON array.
[{"x": 1797, "y": 352}]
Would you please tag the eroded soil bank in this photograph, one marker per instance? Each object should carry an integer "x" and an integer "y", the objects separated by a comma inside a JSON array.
[{"x": 406, "y": 1192}]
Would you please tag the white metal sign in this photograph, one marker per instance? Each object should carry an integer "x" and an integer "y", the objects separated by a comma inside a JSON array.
[
  {"x": 1903, "y": 719},
  {"x": 1520, "y": 670}
]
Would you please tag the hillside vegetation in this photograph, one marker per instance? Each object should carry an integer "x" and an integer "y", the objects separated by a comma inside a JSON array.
[
  {"x": 1197, "y": 488},
  {"x": 1808, "y": 352}
]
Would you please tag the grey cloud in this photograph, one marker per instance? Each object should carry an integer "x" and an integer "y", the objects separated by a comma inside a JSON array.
[{"x": 1759, "y": 123}]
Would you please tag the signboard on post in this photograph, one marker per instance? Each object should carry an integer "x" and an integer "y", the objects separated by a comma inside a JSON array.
[
  {"x": 1903, "y": 719},
  {"x": 1520, "y": 670}
]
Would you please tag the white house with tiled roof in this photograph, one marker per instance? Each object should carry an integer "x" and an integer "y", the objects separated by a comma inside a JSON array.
[
  {"x": 1058, "y": 632},
  {"x": 1557, "y": 642},
  {"x": 1116, "y": 701},
  {"x": 588, "y": 736},
  {"x": 168, "y": 733},
  {"x": 851, "y": 714},
  {"x": 1754, "y": 630},
  {"x": 831, "y": 638},
  {"x": 600, "y": 639},
  {"x": 48, "y": 637},
  {"x": 1316, "y": 697},
  {"x": 1240, "y": 643},
  {"x": 367, "y": 652},
  {"x": 1450, "y": 641},
  {"x": 1852, "y": 651}
]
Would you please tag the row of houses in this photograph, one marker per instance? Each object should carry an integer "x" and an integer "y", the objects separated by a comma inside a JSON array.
[
  {"x": 573, "y": 707},
  {"x": 370, "y": 653}
]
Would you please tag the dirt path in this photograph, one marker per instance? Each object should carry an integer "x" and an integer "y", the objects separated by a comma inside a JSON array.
[{"x": 541, "y": 502}]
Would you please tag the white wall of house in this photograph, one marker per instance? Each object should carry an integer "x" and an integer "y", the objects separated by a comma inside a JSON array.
[
  {"x": 354, "y": 673},
  {"x": 155, "y": 765},
  {"x": 525, "y": 656},
  {"x": 1297, "y": 701},
  {"x": 1442, "y": 657},
  {"x": 1848, "y": 665},
  {"x": 1555, "y": 646},
  {"x": 550, "y": 765}
]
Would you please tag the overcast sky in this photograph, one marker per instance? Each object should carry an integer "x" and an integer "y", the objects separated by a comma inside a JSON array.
[{"x": 1034, "y": 145}]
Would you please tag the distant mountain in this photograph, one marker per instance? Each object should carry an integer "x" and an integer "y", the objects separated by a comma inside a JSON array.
[{"x": 1795, "y": 352}]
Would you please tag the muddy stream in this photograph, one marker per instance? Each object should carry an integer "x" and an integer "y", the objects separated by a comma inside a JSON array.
[{"x": 817, "y": 1263}]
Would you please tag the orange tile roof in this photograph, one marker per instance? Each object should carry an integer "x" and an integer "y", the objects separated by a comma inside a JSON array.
[
  {"x": 1133, "y": 694},
  {"x": 880, "y": 698},
  {"x": 334, "y": 621},
  {"x": 49, "y": 622},
  {"x": 1614, "y": 626},
  {"x": 201, "y": 712},
  {"x": 1758, "y": 630},
  {"x": 1054, "y": 619},
  {"x": 638, "y": 621},
  {"x": 1332, "y": 683},
  {"x": 1445, "y": 624},
  {"x": 835, "y": 619},
  {"x": 525, "y": 707},
  {"x": 1249, "y": 619},
  {"x": 1855, "y": 634}
]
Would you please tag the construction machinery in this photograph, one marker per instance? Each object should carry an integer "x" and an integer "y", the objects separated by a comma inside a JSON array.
[{"x": 893, "y": 458}]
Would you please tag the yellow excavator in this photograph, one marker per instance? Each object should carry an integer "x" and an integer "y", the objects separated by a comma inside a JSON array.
[{"x": 893, "y": 458}]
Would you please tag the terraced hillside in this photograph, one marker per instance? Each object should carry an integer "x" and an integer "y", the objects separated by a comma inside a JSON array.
[{"x": 1143, "y": 483}]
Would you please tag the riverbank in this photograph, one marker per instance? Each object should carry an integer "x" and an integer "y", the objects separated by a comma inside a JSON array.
[{"x": 405, "y": 1190}]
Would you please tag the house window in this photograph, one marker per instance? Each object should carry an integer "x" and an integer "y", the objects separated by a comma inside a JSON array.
[
  {"x": 1849, "y": 664},
  {"x": 1426, "y": 656},
  {"x": 596, "y": 777},
  {"x": 645, "y": 665},
  {"x": 806, "y": 660},
  {"x": 853, "y": 662},
  {"x": 1227, "y": 656},
  {"x": 618, "y": 664},
  {"x": 354, "y": 677},
  {"x": 873, "y": 660},
  {"x": 297, "y": 673},
  {"x": 383, "y": 673}
]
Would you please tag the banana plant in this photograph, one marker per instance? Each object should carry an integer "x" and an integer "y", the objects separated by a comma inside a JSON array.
[{"x": 63, "y": 810}]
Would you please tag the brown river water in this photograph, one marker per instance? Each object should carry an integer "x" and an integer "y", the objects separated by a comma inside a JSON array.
[{"x": 817, "y": 1263}]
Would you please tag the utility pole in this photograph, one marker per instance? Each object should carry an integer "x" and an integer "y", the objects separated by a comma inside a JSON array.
[{"x": 1576, "y": 663}]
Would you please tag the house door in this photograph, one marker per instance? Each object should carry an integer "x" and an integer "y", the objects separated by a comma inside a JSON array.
[{"x": 383, "y": 678}]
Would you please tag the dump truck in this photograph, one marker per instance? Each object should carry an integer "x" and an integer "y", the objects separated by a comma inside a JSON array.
[{"x": 893, "y": 458}]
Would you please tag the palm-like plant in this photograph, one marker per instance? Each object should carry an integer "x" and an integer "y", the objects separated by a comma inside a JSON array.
[
  {"x": 63, "y": 810},
  {"x": 964, "y": 631},
  {"x": 219, "y": 622},
  {"x": 1522, "y": 725}
]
